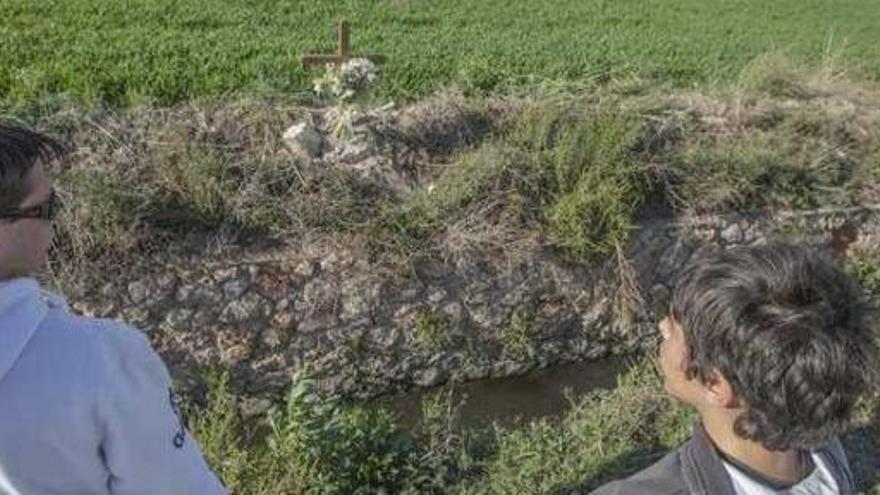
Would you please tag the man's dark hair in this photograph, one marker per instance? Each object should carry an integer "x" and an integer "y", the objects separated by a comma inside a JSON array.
[
  {"x": 20, "y": 149},
  {"x": 789, "y": 330}
]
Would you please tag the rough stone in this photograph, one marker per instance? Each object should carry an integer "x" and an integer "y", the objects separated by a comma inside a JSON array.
[
  {"x": 283, "y": 319},
  {"x": 318, "y": 296},
  {"x": 202, "y": 318},
  {"x": 283, "y": 304},
  {"x": 409, "y": 294},
  {"x": 437, "y": 296},
  {"x": 312, "y": 325},
  {"x": 236, "y": 287},
  {"x": 384, "y": 337},
  {"x": 108, "y": 290},
  {"x": 355, "y": 151},
  {"x": 430, "y": 377},
  {"x": 482, "y": 315},
  {"x": 136, "y": 316},
  {"x": 305, "y": 269},
  {"x": 137, "y": 292},
  {"x": 184, "y": 293},
  {"x": 705, "y": 233},
  {"x": 200, "y": 292},
  {"x": 303, "y": 140},
  {"x": 106, "y": 309},
  {"x": 404, "y": 312},
  {"x": 177, "y": 320},
  {"x": 225, "y": 274},
  {"x": 454, "y": 311},
  {"x": 250, "y": 307},
  {"x": 732, "y": 234},
  {"x": 166, "y": 281},
  {"x": 360, "y": 297},
  {"x": 235, "y": 348},
  {"x": 272, "y": 337}
]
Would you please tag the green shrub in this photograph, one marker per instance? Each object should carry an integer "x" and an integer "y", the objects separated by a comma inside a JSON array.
[
  {"x": 867, "y": 271},
  {"x": 599, "y": 184},
  {"x": 518, "y": 337},
  {"x": 221, "y": 433},
  {"x": 566, "y": 167},
  {"x": 431, "y": 331},
  {"x": 317, "y": 445}
]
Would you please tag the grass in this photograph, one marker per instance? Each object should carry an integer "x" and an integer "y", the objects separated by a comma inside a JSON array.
[
  {"x": 764, "y": 170},
  {"x": 316, "y": 444},
  {"x": 518, "y": 336},
  {"x": 431, "y": 331},
  {"x": 410, "y": 224},
  {"x": 565, "y": 168},
  {"x": 169, "y": 52}
]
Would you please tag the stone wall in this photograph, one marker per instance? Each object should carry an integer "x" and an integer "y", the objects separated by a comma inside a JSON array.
[{"x": 367, "y": 329}]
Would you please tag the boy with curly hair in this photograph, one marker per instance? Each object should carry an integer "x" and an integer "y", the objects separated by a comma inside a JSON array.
[{"x": 773, "y": 347}]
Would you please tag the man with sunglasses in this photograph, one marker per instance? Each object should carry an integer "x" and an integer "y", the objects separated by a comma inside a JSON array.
[{"x": 85, "y": 404}]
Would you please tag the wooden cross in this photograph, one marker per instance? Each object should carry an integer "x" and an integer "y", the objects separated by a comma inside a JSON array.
[{"x": 344, "y": 51}]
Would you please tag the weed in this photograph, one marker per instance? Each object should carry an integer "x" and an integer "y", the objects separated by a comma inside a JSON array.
[
  {"x": 565, "y": 166},
  {"x": 866, "y": 270},
  {"x": 221, "y": 434},
  {"x": 431, "y": 331},
  {"x": 774, "y": 74},
  {"x": 518, "y": 337}
]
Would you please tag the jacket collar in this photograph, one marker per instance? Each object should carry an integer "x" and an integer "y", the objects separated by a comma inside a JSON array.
[
  {"x": 704, "y": 472},
  {"x": 22, "y": 310},
  {"x": 701, "y": 466}
]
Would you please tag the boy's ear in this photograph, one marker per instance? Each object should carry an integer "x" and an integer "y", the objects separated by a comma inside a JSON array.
[{"x": 719, "y": 391}]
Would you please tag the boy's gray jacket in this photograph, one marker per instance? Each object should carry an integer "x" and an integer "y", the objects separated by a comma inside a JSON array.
[
  {"x": 696, "y": 468},
  {"x": 86, "y": 406}
]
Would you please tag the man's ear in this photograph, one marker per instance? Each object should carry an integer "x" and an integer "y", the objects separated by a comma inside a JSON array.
[{"x": 719, "y": 391}]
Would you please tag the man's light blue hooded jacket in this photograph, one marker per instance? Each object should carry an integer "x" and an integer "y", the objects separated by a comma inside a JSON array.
[{"x": 86, "y": 406}]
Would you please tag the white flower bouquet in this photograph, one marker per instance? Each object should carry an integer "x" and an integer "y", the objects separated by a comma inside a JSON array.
[{"x": 347, "y": 81}]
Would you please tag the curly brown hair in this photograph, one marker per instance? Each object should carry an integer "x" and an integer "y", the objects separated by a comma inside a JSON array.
[{"x": 790, "y": 331}]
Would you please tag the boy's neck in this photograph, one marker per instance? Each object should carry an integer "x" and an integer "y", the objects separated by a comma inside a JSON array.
[{"x": 784, "y": 466}]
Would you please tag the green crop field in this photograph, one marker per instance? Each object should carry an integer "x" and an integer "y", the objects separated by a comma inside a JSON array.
[{"x": 167, "y": 51}]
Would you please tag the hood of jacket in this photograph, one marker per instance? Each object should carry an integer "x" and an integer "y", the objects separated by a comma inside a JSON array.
[{"x": 23, "y": 307}]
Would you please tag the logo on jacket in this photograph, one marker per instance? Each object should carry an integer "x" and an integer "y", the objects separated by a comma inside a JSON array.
[{"x": 180, "y": 435}]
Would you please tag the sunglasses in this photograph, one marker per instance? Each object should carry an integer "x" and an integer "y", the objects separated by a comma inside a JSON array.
[{"x": 47, "y": 210}]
